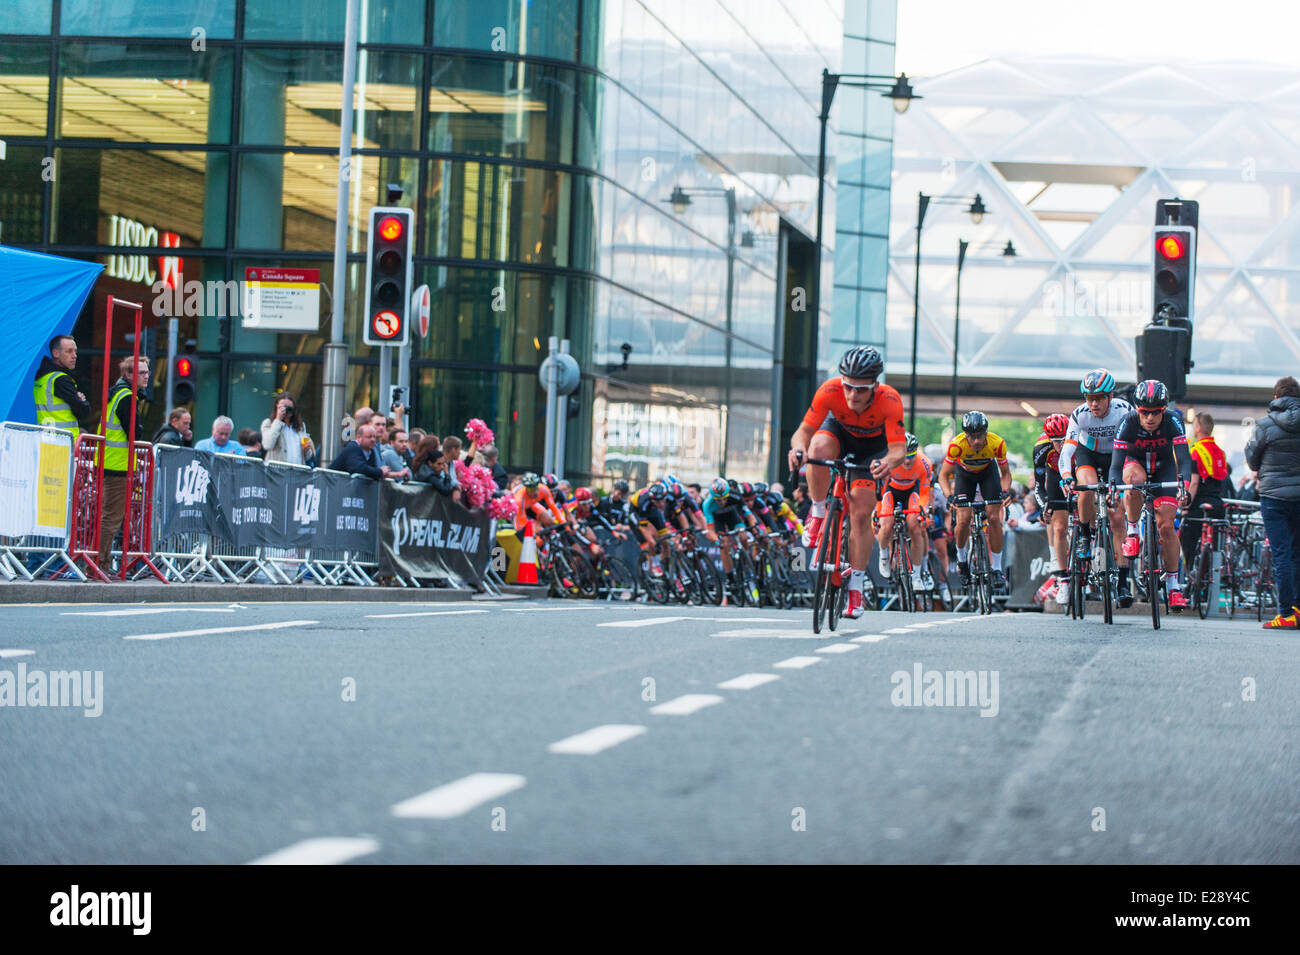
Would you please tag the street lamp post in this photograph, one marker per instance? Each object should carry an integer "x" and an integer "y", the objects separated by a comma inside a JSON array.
[
  {"x": 896, "y": 88},
  {"x": 962, "y": 245},
  {"x": 680, "y": 200},
  {"x": 977, "y": 212}
]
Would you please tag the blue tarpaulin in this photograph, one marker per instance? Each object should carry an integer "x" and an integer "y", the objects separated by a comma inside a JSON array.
[{"x": 40, "y": 297}]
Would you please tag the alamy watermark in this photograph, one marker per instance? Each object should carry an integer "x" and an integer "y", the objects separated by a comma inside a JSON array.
[
  {"x": 1082, "y": 298},
  {"x": 63, "y": 688},
  {"x": 921, "y": 687}
]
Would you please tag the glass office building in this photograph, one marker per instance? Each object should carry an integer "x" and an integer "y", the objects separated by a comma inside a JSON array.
[{"x": 539, "y": 143}]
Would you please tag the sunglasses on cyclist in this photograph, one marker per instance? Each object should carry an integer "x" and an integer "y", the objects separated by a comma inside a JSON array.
[
  {"x": 1151, "y": 412},
  {"x": 857, "y": 389},
  {"x": 1096, "y": 396}
]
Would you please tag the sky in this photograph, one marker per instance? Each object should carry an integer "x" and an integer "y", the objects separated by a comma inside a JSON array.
[{"x": 1264, "y": 31}]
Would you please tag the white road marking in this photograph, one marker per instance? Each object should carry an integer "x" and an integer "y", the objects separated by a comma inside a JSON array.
[
  {"x": 5, "y": 654},
  {"x": 747, "y": 681},
  {"x": 595, "y": 740},
  {"x": 203, "y": 633},
  {"x": 869, "y": 638},
  {"x": 655, "y": 621},
  {"x": 686, "y": 705},
  {"x": 837, "y": 648},
  {"x": 142, "y": 611},
  {"x": 328, "y": 851},
  {"x": 648, "y": 622},
  {"x": 769, "y": 632},
  {"x": 798, "y": 663},
  {"x": 420, "y": 613},
  {"x": 458, "y": 798},
  {"x": 900, "y": 630}
]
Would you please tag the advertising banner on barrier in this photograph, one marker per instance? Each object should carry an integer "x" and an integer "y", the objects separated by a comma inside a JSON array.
[
  {"x": 1031, "y": 561},
  {"x": 308, "y": 495},
  {"x": 34, "y": 482},
  {"x": 252, "y": 500},
  {"x": 425, "y": 535},
  {"x": 185, "y": 500},
  {"x": 350, "y": 509}
]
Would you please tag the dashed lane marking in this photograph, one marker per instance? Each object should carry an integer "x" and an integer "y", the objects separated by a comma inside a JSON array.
[
  {"x": 747, "y": 681},
  {"x": 837, "y": 648},
  {"x": 326, "y": 851},
  {"x": 869, "y": 638},
  {"x": 6, "y": 654},
  {"x": 686, "y": 705},
  {"x": 597, "y": 739},
  {"x": 778, "y": 633},
  {"x": 458, "y": 798},
  {"x": 420, "y": 613},
  {"x": 203, "y": 633},
  {"x": 142, "y": 611},
  {"x": 798, "y": 663}
]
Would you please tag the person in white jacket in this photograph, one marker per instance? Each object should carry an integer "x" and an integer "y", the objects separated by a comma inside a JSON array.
[{"x": 285, "y": 437}]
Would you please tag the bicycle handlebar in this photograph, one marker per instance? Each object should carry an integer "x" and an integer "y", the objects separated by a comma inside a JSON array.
[
  {"x": 1149, "y": 486},
  {"x": 842, "y": 464}
]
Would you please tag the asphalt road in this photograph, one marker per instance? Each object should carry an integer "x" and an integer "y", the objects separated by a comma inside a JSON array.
[{"x": 429, "y": 735}]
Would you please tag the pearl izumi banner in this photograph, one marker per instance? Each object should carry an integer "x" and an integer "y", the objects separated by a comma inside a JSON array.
[
  {"x": 1031, "y": 562},
  {"x": 427, "y": 536}
]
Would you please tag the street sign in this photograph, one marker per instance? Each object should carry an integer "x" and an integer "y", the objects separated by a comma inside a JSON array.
[
  {"x": 420, "y": 306},
  {"x": 385, "y": 326},
  {"x": 285, "y": 300}
]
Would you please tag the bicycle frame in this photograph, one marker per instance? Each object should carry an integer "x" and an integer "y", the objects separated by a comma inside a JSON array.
[{"x": 1152, "y": 559}]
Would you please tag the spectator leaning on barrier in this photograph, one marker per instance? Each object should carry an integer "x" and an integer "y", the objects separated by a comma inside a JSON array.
[
  {"x": 499, "y": 474},
  {"x": 284, "y": 436},
  {"x": 117, "y": 418},
  {"x": 1274, "y": 452},
  {"x": 59, "y": 403},
  {"x": 359, "y": 456},
  {"x": 397, "y": 456},
  {"x": 451, "y": 446},
  {"x": 220, "y": 443},
  {"x": 177, "y": 430},
  {"x": 251, "y": 442}
]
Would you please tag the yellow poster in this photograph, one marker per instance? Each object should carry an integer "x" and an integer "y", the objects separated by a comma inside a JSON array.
[{"x": 52, "y": 489}]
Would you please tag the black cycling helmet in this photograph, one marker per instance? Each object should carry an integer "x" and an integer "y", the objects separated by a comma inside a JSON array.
[
  {"x": 733, "y": 487},
  {"x": 746, "y": 490},
  {"x": 657, "y": 491},
  {"x": 1151, "y": 394},
  {"x": 551, "y": 481},
  {"x": 622, "y": 486},
  {"x": 1097, "y": 382},
  {"x": 718, "y": 487},
  {"x": 760, "y": 487},
  {"x": 862, "y": 362},
  {"x": 531, "y": 479},
  {"x": 913, "y": 444},
  {"x": 974, "y": 422}
]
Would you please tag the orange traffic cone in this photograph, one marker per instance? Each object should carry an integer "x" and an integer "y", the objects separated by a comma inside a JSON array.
[{"x": 527, "y": 558}]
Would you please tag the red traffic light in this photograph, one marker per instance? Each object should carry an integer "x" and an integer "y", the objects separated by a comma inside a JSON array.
[
  {"x": 184, "y": 367},
  {"x": 1171, "y": 246},
  {"x": 391, "y": 228}
]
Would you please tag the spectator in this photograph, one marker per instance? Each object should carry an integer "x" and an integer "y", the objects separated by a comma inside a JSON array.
[
  {"x": 802, "y": 503},
  {"x": 1033, "y": 513},
  {"x": 430, "y": 467},
  {"x": 251, "y": 442},
  {"x": 359, "y": 418},
  {"x": 417, "y": 435},
  {"x": 59, "y": 403},
  {"x": 1015, "y": 509},
  {"x": 1209, "y": 485},
  {"x": 117, "y": 418},
  {"x": 284, "y": 436},
  {"x": 1274, "y": 453},
  {"x": 359, "y": 456},
  {"x": 177, "y": 430},
  {"x": 220, "y": 443},
  {"x": 397, "y": 455},
  {"x": 451, "y": 446},
  {"x": 490, "y": 462},
  {"x": 1249, "y": 489}
]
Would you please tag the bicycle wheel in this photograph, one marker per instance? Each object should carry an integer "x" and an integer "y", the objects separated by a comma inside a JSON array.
[
  {"x": 979, "y": 557},
  {"x": 749, "y": 579},
  {"x": 655, "y": 585},
  {"x": 840, "y": 585},
  {"x": 903, "y": 575},
  {"x": 824, "y": 565},
  {"x": 1151, "y": 554},
  {"x": 709, "y": 581},
  {"x": 562, "y": 577},
  {"x": 620, "y": 581},
  {"x": 585, "y": 576},
  {"x": 1199, "y": 581}
]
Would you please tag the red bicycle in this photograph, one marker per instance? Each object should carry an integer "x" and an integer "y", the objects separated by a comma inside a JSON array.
[{"x": 830, "y": 587}]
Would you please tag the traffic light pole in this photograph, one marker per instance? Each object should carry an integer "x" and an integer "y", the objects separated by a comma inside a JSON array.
[
  {"x": 383, "y": 404},
  {"x": 334, "y": 391},
  {"x": 173, "y": 333}
]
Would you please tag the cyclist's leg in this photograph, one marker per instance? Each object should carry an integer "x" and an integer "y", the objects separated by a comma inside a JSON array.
[
  {"x": 724, "y": 544},
  {"x": 825, "y": 445},
  {"x": 991, "y": 486},
  {"x": 963, "y": 485},
  {"x": 1134, "y": 473},
  {"x": 885, "y": 527}
]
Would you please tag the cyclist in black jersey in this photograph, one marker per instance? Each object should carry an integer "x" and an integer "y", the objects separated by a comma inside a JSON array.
[{"x": 1151, "y": 446}]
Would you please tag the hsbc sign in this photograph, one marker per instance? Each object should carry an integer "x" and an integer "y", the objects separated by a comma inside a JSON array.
[{"x": 136, "y": 268}]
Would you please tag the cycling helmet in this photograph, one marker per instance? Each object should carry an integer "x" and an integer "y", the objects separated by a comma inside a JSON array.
[
  {"x": 746, "y": 490},
  {"x": 1056, "y": 425},
  {"x": 913, "y": 444},
  {"x": 732, "y": 486},
  {"x": 1151, "y": 394},
  {"x": 551, "y": 481},
  {"x": 675, "y": 489},
  {"x": 760, "y": 487},
  {"x": 582, "y": 495},
  {"x": 1097, "y": 382},
  {"x": 622, "y": 486},
  {"x": 974, "y": 423},
  {"x": 718, "y": 487},
  {"x": 670, "y": 479},
  {"x": 657, "y": 491},
  {"x": 862, "y": 362},
  {"x": 531, "y": 479}
]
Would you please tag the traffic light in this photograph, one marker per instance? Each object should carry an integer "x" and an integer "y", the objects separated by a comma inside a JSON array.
[
  {"x": 388, "y": 276},
  {"x": 1173, "y": 262},
  {"x": 184, "y": 386}
]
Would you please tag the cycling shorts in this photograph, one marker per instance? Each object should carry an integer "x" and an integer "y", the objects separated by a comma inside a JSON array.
[
  {"x": 1166, "y": 470},
  {"x": 988, "y": 482},
  {"x": 910, "y": 495},
  {"x": 864, "y": 450}
]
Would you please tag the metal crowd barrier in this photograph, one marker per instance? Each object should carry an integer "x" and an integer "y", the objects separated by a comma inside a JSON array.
[{"x": 44, "y": 554}]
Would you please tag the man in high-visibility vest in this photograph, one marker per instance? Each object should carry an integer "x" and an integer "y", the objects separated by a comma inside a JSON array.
[
  {"x": 59, "y": 403},
  {"x": 117, "y": 418}
]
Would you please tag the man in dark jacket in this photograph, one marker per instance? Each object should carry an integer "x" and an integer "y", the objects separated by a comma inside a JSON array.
[
  {"x": 490, "y": 462},
  {"x": 59, "y": 403},
  {"x": 359, "y": 456},
  {"x": 1274, "y": 452},
  {"x": 176, "y": 431}
]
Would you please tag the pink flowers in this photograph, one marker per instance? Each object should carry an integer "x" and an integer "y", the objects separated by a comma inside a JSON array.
[
  {"x": 479, "y": 433},
  {"x": 475, "y": 483},
  {"x": 502, "y": 508}
]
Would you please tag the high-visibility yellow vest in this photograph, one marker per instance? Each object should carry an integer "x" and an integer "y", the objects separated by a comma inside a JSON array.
[
  {"x": 115, "y": 441},
  {"x": 50, "y": 408}
]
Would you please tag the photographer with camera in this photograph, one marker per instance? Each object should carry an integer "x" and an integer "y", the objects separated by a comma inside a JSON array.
[{"x": 285, "y": 437}]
